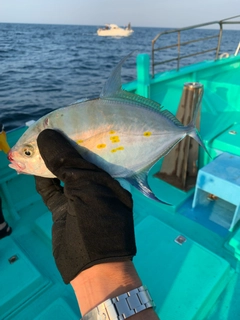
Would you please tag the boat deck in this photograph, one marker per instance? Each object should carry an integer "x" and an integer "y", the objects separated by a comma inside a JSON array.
[
  {"x": 174, "y": 259},
  {"x": 183, "y": 262}
]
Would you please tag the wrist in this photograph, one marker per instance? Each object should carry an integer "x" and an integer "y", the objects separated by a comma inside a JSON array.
[
  {"x": 103, "y": 281},
  {"x": 131, "y": 304}
]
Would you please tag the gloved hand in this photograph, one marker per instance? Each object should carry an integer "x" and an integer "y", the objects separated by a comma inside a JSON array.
[{"x": 92, "y": 214}]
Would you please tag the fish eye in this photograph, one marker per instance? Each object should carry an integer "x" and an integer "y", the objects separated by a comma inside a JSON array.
[{"x": 28, "y": 150}]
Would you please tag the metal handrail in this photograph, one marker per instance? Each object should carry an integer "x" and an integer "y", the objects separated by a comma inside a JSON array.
[
  {"x": 179, "y": 43},
  {"x": 237, "y": 50}
]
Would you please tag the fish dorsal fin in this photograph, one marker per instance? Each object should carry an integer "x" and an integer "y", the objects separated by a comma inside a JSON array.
[
  {"x": 171, "y": 117},
  {"x": 112, "y": 89},
  {"x": 113, "y": 83},
  {"x": 133, "y": 98},
  {"x": 79, "y": 101},
  {"x": 84, "y": 100}
]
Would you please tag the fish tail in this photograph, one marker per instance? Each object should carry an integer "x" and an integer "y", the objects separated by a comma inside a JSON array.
[{"x": 194, "y": 133}]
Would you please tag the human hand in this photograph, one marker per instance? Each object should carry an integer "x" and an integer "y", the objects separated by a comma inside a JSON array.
[{"x": 92, "y": 214}]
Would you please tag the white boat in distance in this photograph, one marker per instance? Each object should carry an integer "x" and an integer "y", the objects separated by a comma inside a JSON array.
[{"x": 112, "y": 30}]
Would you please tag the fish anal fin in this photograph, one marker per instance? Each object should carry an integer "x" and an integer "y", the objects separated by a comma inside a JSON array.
[{"x": 139, "y": 181}]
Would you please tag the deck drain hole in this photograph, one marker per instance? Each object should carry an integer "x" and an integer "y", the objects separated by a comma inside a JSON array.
[
  {"x": 234, "y": 132},
  {"x": 180, "y": 240},
  {"x": 13, "y": 259}
]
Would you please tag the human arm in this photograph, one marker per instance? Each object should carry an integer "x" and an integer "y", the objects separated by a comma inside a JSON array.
[
  {"x": 109, "y": 280},
  {"x": 93, "y": 235}
]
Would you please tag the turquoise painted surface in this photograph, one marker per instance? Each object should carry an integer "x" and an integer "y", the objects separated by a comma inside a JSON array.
[
  {"x": 197, "y": 280},
  {"x": 188, "y": 278}
]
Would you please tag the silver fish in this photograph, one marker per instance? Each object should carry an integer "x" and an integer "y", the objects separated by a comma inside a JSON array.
[{"x": 121, "y": 132}]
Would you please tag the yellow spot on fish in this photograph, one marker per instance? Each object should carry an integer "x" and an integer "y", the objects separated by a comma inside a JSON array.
[
  {"x": 117, "y": 149},
  {"x": 101, "y": 146},
  {"x": 115, "y": 139},
  {"x": 147, "y": 133},
  {"x": 79, "y": 141},
  {"x": 112, "y": 132}
]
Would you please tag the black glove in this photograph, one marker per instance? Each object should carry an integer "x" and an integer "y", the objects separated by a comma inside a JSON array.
[{"x": 92, "y": 213}]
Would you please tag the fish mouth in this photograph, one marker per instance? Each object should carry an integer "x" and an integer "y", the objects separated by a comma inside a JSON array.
[{"x": 17, "y": 165}]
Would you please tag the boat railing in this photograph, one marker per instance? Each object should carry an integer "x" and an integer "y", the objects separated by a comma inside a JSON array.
[
  {"x": 180, "y": 44},
  {"x": 237, "y": 50}
]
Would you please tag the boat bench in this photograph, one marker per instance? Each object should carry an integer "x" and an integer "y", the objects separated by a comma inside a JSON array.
[{"x": 218, "y": 190}]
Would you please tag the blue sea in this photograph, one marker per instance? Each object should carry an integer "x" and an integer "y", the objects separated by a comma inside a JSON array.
[{"x": 45, "y": 67}]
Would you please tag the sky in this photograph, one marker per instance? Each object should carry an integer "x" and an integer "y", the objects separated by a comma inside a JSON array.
[{"x": 142, "y": 13}]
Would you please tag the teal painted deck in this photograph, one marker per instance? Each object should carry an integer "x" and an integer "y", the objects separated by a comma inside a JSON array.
[{"x": 195, "y": 280}]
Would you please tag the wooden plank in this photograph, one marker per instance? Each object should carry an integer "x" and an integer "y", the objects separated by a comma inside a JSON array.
[{"x": 179, "y": 167}]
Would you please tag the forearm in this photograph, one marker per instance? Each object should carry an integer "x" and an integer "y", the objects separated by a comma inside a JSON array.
[{"x": 107, "y": 280}]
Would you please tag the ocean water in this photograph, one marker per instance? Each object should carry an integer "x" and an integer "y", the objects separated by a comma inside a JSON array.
[{"x": 45, "y": 67}]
